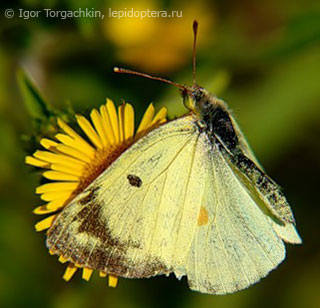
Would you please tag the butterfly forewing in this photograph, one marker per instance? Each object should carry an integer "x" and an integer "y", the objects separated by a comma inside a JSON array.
[{"x": 136, "y": 230}]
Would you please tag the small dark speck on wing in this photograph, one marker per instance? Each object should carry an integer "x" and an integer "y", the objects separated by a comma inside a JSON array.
[{"x": 134, "y": 180}]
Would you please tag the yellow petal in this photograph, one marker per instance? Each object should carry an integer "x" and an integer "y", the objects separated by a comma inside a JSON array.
[
  {"x": 121, "y": 122},
  {"x": 60, "y": 176},
  {"x": 86, "y": 273},
  {"x": 67, "y": 169},
  {"x": 160, "y": 116},
  {"x": 113, "y": 281},
  {"x": 56, "y": 204},
  {"x": 147, "y": 119},
  {"x": 59, "y": 158},
  {"x": 102, "y": 274},
  {"x": 73, "y": 153},
  {"x": 71, "y": 269},
  {"x": 48, "y": 144},
  {"x": 107, "y": 125},
  {"x": 67, "y": 129},
  {"x": 78, "y": 144},
  {"x": 89, "y": 131},
  {"x": 30, "y": 160},
  {"x": 51, "y": 196},
  {"x": 45, "y": 223},
  {"x": 97, "y": 122},
  {"x": 43, "y": 209},
  {"x": 128, "y": 122},
  {"x": 50, "y": 207},
  {"x": 57, "y": 187},
  {"x": 111, "y": 110},
  {"x": 62, "y": 259}
]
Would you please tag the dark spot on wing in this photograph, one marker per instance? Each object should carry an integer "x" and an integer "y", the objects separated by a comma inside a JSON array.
[
  {"x": 91, "y": 222},
  {"x": 134, "y": 180}
]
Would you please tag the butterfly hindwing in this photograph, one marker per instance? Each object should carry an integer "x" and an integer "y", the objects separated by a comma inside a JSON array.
[{"x": 238, "y": 246}]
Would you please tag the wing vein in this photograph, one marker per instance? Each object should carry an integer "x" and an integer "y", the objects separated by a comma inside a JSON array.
[
  {"x": 218, "y": 231},
  {"x": 186, "y": 191},
  {"x": 254, "y": 236},
  {"x": 239, "y": 242},
  {"x": 149, "y": 146},
  {"x": 159, "y": 206}
]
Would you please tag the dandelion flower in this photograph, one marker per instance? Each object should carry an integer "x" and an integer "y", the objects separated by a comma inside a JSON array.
[{"x": 73, "y": 161}]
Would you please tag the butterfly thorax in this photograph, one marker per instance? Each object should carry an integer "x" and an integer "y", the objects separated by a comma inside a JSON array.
[{"x": 212, "y": 117}]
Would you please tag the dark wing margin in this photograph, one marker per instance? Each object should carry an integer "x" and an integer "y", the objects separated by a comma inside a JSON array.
[
  {"x": 261, "y": 187},
  {"x": 95, "y": 246}
]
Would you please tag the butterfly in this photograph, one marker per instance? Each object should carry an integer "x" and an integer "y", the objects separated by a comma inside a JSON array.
[{"x": 188, "y": 198}]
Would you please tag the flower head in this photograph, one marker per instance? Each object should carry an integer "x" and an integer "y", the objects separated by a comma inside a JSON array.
[{"x": 74, "y": 161}]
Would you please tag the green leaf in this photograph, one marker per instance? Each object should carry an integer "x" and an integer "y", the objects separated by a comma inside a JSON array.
[{"x": 37, "y": 107}]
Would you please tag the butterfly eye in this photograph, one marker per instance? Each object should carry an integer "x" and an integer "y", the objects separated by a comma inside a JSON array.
[{"x": 188, "y": 101}]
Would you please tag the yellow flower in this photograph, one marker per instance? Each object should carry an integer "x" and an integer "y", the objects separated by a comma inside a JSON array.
[{"x": 73, "y": 161}]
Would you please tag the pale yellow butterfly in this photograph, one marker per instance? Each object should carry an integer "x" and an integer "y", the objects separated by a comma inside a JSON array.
[{"x": 188, "y": 198}]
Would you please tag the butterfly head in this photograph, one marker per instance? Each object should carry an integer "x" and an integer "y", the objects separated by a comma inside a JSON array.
[{"x": 194, "y": 97}]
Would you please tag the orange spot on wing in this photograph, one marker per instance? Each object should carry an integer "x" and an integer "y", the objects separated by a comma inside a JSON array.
[{"x": 203, "y": 217}]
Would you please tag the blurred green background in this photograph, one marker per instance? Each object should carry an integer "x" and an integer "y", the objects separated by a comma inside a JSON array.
[{"x": 262, "y": 57}]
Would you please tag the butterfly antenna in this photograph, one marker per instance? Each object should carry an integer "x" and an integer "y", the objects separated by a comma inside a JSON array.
[
  {"x": 127, "y": 71},
  {"x": 194, "y": 53}
]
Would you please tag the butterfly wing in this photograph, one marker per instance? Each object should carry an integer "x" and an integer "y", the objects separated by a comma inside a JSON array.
[
  {"x": 284, "y": 229},
  {"x": 170, "y": 203},
  {"x": 237, "y": 246},
  {"x": 139, "y": 217}
]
